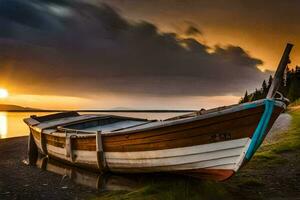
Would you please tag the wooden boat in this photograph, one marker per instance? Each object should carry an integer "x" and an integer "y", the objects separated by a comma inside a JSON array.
[{"x": 206, "y": 144}]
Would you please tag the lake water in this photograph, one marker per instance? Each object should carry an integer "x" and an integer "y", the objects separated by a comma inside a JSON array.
[{"x": 12, "y": 125}]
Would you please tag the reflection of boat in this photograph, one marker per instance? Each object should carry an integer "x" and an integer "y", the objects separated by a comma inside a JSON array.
[
  {"x": 93, "y": 180},
  {"x": 211, "y": 144}
]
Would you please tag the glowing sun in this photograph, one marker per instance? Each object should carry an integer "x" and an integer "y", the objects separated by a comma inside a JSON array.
[{"x": 3, "y": 93}]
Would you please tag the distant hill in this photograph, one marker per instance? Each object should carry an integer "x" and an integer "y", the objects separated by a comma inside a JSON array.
[
  {"x": 8, "y": 107},
  {"x": 15, "y": 108}
]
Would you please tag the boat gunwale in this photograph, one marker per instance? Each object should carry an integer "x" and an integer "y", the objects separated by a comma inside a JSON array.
[{"x": 236, "y": 108}]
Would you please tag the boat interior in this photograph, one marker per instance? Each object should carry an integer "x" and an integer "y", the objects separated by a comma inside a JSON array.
[
  {"x": 72, "y": 121},
  {"x": 108, "y": 123}
]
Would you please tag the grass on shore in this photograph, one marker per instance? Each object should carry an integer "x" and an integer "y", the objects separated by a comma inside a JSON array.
[
  {"x": 169, "y": 187},
  {"x": 270, "y": 156},
  {"x": 288, "y": 141}
]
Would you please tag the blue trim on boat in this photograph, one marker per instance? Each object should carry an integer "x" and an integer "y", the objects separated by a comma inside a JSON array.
[
  {"x": 250, "y": 105},
  {"x": 260, "y": 130}
]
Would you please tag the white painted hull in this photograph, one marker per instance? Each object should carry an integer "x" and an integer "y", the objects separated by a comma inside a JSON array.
[{"x": 226, "y": 155}]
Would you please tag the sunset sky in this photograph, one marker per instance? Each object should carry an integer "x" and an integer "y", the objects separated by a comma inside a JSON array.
[{"x": 140, "y": 54}]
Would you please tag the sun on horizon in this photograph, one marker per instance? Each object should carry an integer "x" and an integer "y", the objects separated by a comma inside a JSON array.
[{"x": 3, "y": 93}]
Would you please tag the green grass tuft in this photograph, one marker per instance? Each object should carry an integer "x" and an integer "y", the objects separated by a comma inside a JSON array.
[{"x": 289, "y": 141}]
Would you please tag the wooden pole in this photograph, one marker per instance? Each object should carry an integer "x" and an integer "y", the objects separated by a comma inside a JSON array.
[{"x": 280, "y": 71}]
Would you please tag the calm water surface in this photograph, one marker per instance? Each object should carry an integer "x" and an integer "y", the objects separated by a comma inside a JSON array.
[{"x": 12, "y": 125}]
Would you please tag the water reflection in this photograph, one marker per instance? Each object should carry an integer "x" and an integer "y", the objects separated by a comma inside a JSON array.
[
  {"x": 3, "y": 125},
  {"x": 142, "y": 186},
  {"x": 103, "y": 182}
]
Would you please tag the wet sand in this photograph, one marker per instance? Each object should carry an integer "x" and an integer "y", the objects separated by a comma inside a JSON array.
[{"x": 19, "y": 181}]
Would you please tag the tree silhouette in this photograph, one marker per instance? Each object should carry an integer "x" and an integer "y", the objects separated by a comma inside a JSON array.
[
  {"x": 264, "y": 89},
  {"x": 289, "y": 88},
  {"x": 246, "y": 98},
  {"x": 270, "y": 81}
]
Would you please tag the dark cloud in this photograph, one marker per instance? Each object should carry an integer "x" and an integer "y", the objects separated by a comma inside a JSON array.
[
  {"x": 192, "y": 30},
  {"x": 76, "y": 48}
]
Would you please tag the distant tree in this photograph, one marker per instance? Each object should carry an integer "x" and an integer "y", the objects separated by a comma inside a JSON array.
[
  {"x": 294, "y": 89},
  {"x": 290, "y": 88},
  {"x": 246, "y": 98},
  {"x": 255, "y": 95},
  {"x": 264, "y": 89},
  {"x": 292, "y": 95},
  {"x": 270, "y": 81},
  {"x": 241, "y": 100}
]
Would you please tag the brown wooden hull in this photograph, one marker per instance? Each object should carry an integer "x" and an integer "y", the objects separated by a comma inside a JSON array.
[{"x": 200, "y": 132}]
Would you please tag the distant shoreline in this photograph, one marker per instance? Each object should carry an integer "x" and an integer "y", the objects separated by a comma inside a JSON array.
[
  {"x": 133, "y": 111},
  {"x": 16, "y": 108}
]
